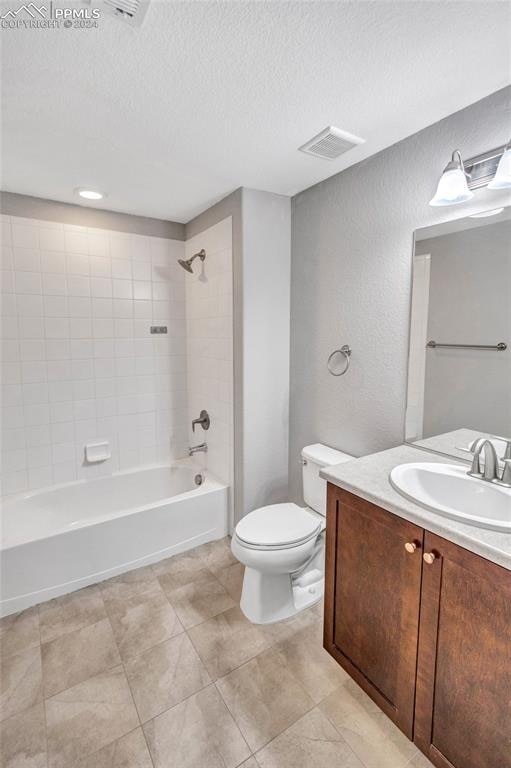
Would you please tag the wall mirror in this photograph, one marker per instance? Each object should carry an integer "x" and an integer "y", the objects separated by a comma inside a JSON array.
[{"x": 459, "y": 367}]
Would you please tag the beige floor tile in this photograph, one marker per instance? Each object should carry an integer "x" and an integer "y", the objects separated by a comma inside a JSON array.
[
  {"x": 129, "y": 751},
  {"x": 179, "y": 570},
  {"x": 19, "y": 632},
  {"x": 283, "y": 630},
  {"x": 74, "y": 657},
  {"x": 231, "y": 578},
  {"x": 305, "y": 657},
  {"x": 370, "y": 733},
  {"x": 139, "y": 624},
  {"x": 165, "y": 675},
  {"x": 250, "y": 763},
  {"x": 70, "y": 612},
  {"x": 138, "y": 585},
  {"x": 23, "y": 740},
  {"x": 227, "y": 641},
  {"x": 20, "y": 682},
  {"x": 312, "y": 742},
  {"x": 264, "y": 697},
  {"x": 198, "y": 733},
  {"x": 217, "y": 555},
  {"x": 420, "y": 761},
  {"x": 87, "y": 717},
  {"x": 199, "y": 600}
]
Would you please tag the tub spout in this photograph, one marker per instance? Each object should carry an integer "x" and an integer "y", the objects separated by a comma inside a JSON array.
[{"x": 197, "y": 448}]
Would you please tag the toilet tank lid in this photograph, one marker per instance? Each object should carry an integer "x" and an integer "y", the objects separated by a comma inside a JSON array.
[{"x": 323, "y": 455}]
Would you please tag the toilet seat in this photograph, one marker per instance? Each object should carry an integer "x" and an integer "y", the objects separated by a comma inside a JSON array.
[{"x": 278, "y": 526}]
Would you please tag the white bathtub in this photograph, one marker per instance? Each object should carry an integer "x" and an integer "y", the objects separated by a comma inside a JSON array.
[{"x": 63, "y": 538}]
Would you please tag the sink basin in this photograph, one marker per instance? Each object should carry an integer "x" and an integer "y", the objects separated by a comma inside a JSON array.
[{"x": 447, "y": 490}]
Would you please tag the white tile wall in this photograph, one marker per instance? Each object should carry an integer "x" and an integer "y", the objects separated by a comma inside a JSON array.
[
  {"x": 210, "y": 345},
  {"x": 78, "y": 361}
]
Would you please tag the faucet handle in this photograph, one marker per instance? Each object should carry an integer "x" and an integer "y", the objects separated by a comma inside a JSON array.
[
  {"x": 506, "y": 473},
  {"x": 203, "y": 420},
  {"x": 475, "y": 468}
]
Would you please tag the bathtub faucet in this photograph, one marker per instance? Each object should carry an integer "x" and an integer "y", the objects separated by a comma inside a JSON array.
[{"x": 196, "y": 448}]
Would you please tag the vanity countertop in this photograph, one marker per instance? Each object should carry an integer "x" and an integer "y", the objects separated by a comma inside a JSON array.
[
  {"x": 455, "y": 443},
  {"x": 368, "y": 477}
]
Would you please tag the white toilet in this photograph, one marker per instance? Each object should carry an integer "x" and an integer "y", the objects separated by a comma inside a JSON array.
[{"x": 282, "y": 546}]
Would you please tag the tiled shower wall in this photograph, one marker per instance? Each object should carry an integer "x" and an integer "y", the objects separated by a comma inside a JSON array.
[
  {"x": 78, "y": 362},
  {"x": 209, "y": 322}
]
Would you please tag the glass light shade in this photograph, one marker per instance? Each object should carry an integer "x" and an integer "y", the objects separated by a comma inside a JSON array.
[
  {"x": 452, "y": 188},
  {"x": 502, "y": 178}
]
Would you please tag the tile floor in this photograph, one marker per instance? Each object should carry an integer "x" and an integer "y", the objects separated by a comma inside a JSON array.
[{"x": 158, "y": 668}]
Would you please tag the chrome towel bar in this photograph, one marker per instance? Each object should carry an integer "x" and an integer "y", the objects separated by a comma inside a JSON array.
[{"x": 500, "y": 347}]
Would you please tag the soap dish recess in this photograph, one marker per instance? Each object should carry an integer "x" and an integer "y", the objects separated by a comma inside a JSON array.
[{"x": 95, "y": 452}]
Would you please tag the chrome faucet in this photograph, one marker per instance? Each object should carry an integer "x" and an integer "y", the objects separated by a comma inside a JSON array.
[
  {"x": 203, "y": 420},
  {"x": 197, "y": 448},
  {"x": 491, "y": 463}
]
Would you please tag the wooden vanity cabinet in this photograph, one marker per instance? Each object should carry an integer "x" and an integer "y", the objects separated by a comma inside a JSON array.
[
  {"x": 463, "y": 697},
  {"x": 429, "y": 640},
  {"x": 372, "y": 597}
]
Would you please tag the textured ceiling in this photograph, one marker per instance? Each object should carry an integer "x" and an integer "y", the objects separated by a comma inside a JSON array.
[{"x": 207, "y": 97}]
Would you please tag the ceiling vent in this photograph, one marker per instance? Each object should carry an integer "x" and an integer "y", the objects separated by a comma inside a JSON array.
[
  {"x": 131, "y": 11},
  {"x": 331, "y": 143}
]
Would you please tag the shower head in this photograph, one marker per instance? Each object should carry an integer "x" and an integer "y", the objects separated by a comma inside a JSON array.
[{"x": 187, "y": 263}]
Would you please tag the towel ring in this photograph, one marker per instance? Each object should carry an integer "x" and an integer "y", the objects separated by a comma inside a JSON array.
[{"x": 344, "y": 350}]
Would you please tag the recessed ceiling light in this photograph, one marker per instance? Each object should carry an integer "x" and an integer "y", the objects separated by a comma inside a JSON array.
[
  {"x": 484, "y": 214},
  {"x": 89, "y": 194}
]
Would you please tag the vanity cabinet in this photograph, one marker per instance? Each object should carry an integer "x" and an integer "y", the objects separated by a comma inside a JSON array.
[{"x": 428, "y": 638}]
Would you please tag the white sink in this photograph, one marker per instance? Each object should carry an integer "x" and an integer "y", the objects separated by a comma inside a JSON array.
[{"x": 448, "y": 490}]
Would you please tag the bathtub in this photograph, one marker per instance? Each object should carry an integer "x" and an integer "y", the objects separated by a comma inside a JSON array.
[{"x": 66, "y": 537}]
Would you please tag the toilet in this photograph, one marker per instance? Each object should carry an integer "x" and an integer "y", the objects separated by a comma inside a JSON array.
[{"x": 282, "y": 546}]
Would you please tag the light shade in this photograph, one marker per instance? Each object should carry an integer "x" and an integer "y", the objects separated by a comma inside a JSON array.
[
  {"x": 452, "y": 187},
  {"x": 502, "y": 178}
]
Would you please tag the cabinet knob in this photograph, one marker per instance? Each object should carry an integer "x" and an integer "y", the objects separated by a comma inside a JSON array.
[
  {"x": 410, "y": 547},
  {"x": 429, "y": 558}
]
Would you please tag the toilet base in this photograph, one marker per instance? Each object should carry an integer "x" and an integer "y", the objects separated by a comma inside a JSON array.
[{"x": 268, "y": 598}]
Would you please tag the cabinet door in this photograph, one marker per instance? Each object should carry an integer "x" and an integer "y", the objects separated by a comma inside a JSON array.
[
  {"x": 463, "y": 706},
  {"x": 372, "y": 594}
]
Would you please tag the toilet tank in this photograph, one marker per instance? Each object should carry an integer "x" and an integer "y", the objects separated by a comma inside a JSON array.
[{"x": 314, "y": 458}]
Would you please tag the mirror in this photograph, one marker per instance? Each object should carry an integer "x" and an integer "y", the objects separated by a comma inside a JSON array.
[{"x": 459, "y": 366}]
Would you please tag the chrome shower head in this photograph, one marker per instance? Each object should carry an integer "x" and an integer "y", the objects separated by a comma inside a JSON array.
[{"x": 187, "y": 263}]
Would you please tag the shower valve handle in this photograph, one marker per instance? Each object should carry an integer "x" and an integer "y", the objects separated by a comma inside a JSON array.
[{"x": 203, "y": 420}]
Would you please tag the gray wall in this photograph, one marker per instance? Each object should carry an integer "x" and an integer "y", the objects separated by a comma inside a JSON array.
[
  {"x": 261, "y": 274},
  {"x": 266, "y": 319},
  {"x": 469, "y": 303},
  {"x": 351, "y": 277},
  {"x": 12, "y": 204}
]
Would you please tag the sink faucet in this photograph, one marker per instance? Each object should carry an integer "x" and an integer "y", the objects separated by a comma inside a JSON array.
[
  {"x": 491, "y": 463},
  {"x": 197, "y": 448},
  {"x": 491, "y": 460}
]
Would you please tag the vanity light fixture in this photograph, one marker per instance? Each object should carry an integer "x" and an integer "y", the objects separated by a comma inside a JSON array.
[
  {"x": 453, "y": 187},
  {"x": 89, "y": 194},
  {"x": 502, "y": 178}
]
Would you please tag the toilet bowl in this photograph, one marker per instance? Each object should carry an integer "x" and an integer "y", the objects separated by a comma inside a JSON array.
[{"x": 282, "y": 547}]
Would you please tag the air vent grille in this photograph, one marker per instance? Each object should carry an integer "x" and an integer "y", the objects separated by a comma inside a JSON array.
[
  {"x": 331, "y": 143},
  {"x": 131, "y": 11}
]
